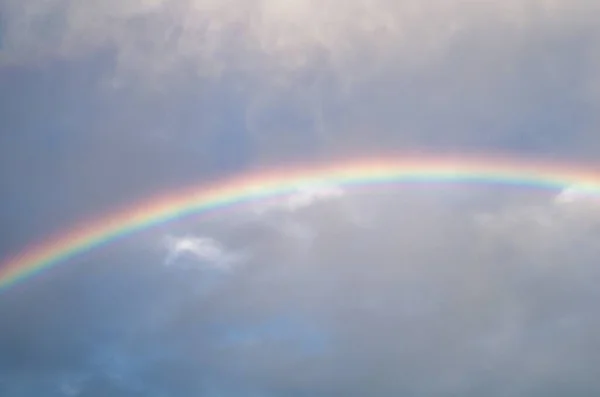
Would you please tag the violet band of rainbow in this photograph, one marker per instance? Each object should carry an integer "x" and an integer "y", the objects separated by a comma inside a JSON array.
[{"x": 59, "y": 248}]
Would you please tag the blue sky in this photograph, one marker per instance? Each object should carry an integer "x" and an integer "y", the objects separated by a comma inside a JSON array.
[{"x": 437, "y": 291}]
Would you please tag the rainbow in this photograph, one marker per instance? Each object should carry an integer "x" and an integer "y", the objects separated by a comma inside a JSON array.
[{"x": 255, "y": 186}]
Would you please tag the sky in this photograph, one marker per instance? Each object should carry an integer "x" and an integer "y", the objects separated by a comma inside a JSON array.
[{"x": 429, "y": 290}]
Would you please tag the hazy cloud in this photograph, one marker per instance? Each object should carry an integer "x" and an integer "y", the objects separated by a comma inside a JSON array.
[
  {"x": 428, "y": 299},
  {"x": 471, "y": 306},
  {"x": 513, "y": 75},
  {"x": 390, "y": 290}
]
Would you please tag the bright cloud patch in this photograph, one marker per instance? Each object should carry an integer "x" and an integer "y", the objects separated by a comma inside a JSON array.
[
  {"x": 302, "y": 198},
  {"x": 578, "y": 193},
  {"x": 204, "y": 249}
]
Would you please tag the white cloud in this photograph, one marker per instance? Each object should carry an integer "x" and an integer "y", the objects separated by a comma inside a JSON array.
[
  {"x": 302, "y": 216},
  {"x": 302, "y": 198},
  {"x": 307, "y": 196},
  {"x": 579, "y": 194},
  {"x": 204, "y": 249}
]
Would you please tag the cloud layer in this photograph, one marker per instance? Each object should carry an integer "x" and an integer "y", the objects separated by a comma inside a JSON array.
[
  {"x": 424, "y": 291},
  {"x": 434, "y": 297},
  {"x": 421, "y": 54}
]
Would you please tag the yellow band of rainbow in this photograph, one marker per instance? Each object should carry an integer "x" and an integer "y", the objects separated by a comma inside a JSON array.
[{"x": 58, "y": 249}]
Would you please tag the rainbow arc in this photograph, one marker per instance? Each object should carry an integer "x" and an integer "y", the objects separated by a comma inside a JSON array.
[{"x": 63, "y": 247}]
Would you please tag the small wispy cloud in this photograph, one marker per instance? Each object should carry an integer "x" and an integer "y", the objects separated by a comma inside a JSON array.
[
  {"x": 73, "y": 386},
  {"x": 307, "y": 196},
  {"x": 204, "y": 249},
  {"x": 300, "y": 199}
]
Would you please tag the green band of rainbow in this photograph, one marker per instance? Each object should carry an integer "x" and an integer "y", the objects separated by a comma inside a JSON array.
[{"x": 58, "y": 249}]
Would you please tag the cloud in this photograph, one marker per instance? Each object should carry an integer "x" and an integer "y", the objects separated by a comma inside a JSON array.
[
  {"x": 279, "y": 41},
  {"x": 446, "y": 298},
  {"x": 378, "y": 291},
  {"x": 577, "y": 195},
  {"x": 301, "y": 215},
  {"x": 427, "y": 300},
  {"x": 204, "y": 249},
  {"x": 73, "y": 386},
  {"x": 441, "y": 76},
  {"x": 300, "y": 199},
  {"x": 399, "y": 290},
  {"x": 308, "y": 196}
]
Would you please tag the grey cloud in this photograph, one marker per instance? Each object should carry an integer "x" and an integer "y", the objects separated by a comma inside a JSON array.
[
  {"x": 415, "y": 290},
  {"x": 510, "y": 76},
  {"x": 284, "y": 33},
  {"x": 445, "y": 305},
  {"x": 427, "y": 300}
]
